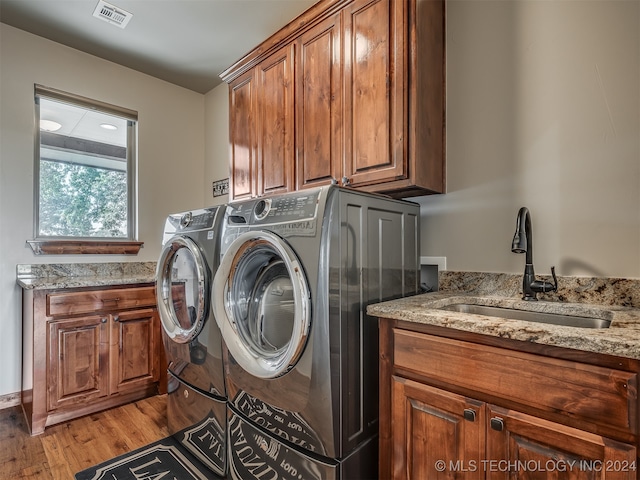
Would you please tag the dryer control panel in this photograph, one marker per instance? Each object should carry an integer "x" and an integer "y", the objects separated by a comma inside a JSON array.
[
  {"x": 287, "y": 215},
  {"x": 263, "y": 212},
  {"x": 286, "y": 208}
]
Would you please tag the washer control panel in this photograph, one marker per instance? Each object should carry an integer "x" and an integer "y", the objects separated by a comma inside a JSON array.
[{"x": 195, "y": 220}]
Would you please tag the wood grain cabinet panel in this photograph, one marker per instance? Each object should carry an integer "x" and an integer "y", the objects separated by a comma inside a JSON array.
[
  {"x": 134, "y": 344},
  {"x": 454, "y": 408},
  {"x": 600, "y": 395},
  {"x": 374, "y": 90},
  {"x": 432, "y": 425},
  {"x": 78, "y": 361},
  {"x": 318, "y": 103},
  {"x": 243, "y": 137},
  {"x": 276, "y": 123},
  {"x": 521, "y": 446},
  {"x": 75, "y": 363},
  {"x": 261, "y": 128},
  {"x": 369, "y": 82},
  {"x": 73, "y": 303}
]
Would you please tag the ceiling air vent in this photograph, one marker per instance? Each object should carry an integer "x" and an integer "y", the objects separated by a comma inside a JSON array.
[{"x": 112, "y": 14}]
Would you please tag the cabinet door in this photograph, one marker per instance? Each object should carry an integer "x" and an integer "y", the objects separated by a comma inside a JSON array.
[
  {"x": 242, "y": 133},
  {"x": 134, "y": 343},
  {"x": 275, "y": 108},
  {"x": 319, "y": 105},
  {"x": 78, "y": 361},
  {"x": 520, "y": 446},
  {"x": 436, "y": 434},
  {"x": 374, "y": 69}
]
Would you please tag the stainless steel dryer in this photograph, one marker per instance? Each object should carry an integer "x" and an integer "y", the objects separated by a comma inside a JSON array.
[
  {"x": 196, "y": 406},
  {"x": 301, "y": 355}
]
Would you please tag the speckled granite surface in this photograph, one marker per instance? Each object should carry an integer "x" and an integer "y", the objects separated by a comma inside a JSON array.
[
  {"x": 617, "y": 300},
  {"x": 602, "y": 291},
  {"x": 74, "y": 275}
]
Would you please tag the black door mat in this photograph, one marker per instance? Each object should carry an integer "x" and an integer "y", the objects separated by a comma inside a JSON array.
[{"x": 162, "y": 459}]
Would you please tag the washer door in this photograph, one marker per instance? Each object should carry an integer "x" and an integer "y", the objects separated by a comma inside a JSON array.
[
  {"x": 181, "y": 289},
  {"x": 261, "y": 302}
]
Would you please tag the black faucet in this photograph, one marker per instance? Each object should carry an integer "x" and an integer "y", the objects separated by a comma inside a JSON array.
[{"x": 523, "y": 243}]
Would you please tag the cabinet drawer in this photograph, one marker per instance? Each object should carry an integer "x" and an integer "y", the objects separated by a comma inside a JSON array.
[
  {"x": 90, "y": 301},
  {"x": 597, "y": 395}
]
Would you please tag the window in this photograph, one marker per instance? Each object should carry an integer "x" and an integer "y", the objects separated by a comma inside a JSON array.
[{"x": 84, "y": 173}]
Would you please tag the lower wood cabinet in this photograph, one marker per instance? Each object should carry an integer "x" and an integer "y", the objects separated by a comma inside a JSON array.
[
  {"x": 78, "y": 361},
  {"x": 429, "y": 426},
  {"x": 86, "y": 350},
  {"x": 457, "y": 409}
]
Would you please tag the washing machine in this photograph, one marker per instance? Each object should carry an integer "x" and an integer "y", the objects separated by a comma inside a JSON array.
[
  {"x": 196, "y": 404},
  {"x": 300, "y": 353}
]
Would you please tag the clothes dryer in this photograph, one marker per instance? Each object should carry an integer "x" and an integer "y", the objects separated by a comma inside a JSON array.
[
  {"x": 196, "y": 407},
  {"x": 301, "y": 355}
]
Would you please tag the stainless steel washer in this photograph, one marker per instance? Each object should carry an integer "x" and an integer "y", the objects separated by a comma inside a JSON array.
[
  {"x": 191, "y": 337},
  {"x": 301, "y": 356}
]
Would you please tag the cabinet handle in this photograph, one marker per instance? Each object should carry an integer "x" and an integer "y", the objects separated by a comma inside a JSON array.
[
  {"x": 110, "y": 300},
  {"x": 497, "y": 424},
  {"x": 469, "y": 414},
  {"x": 346, "y": 182}
]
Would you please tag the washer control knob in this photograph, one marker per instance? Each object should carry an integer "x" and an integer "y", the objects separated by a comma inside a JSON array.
[{"x": 186, "y": 219}]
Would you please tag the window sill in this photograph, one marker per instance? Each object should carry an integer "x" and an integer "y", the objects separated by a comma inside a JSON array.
[{"x": 79, "y": 247}]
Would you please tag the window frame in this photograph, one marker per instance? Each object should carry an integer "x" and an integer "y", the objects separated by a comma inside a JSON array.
[{"x": 93, "y": 245}]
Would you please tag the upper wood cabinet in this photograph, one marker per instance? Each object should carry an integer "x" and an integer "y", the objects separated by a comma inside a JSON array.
[
  {"x": 319, "y": 105},
  {"x": 374, "y": 89},
  {"x": 261, "y": 128},
  {"x": 350, "y": 92},
  {"x": 274, "y": 122},
  {"x": 243, "y": 143}
]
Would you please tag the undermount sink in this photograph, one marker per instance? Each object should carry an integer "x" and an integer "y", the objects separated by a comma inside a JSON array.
[{"x": 529, "y": 316}]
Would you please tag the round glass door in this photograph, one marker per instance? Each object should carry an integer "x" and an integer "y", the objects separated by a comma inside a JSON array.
[
  {"x": 181, "y": 288},
  {"x": 261, "y": 303}
]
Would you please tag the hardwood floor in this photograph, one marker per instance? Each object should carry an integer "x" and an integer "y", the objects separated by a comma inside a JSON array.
[{"x": 65, "y": 449}]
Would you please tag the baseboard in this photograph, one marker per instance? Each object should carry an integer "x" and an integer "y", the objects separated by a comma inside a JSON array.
[{"x": 9, "y": 400}]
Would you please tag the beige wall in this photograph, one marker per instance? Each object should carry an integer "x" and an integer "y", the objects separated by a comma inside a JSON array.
[
  {"x": 171, "y": 158},
  {"x": 543, "y": 111},
  {"x": 216, "y": 150}
]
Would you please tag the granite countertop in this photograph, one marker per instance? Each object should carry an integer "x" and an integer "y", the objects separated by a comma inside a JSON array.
[
  {"x": 617, "y": 300},
  {"x": 76, "y": 275}
]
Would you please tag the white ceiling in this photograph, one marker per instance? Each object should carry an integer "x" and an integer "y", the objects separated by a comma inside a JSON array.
[{"x": 185, "y": 42}]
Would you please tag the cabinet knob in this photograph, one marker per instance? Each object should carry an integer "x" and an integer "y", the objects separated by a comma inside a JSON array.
[
  {"x": 469, "y": 414},
  {"x": 346, "y": 181},
  {"x": 334, "y": 181},
  {"x": 116, "y": 318},
  {"x": 497, "y": 424},
  {"x": 103, "y": 320}
]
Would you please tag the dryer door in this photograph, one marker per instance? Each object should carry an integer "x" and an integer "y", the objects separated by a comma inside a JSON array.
[
  {"x": 261, "y": 303},
  {"x": 182, "y": 287}
]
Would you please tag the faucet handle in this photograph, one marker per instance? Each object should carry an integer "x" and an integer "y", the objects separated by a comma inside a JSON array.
[
  {"x": 541, "y": 286},
  {"x": 555, "y": 279}
]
